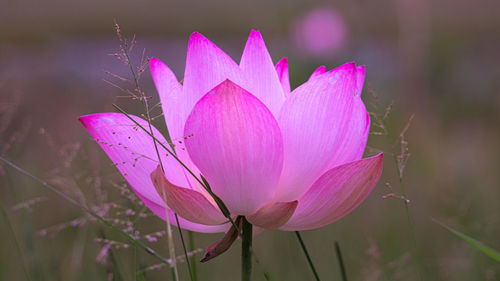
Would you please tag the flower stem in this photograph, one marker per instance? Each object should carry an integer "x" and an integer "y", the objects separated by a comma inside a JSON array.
[
  {"x": 246, "y": 251},
  {"x": 306, "y": 253},
  {"x": 341, "y": 261}
]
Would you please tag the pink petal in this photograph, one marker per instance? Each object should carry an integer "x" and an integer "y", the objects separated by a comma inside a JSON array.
[
  {"x": 282, "y": 70},
  {"x": 324, "y": 124},
  {"x": 320, "y": 70},
  {"x": 159, "y": 210},
  {"x": 132, "y": 151},
  {"x": 260, "y": 77},
  {"x": 336, "y": 193},
  {"x": 360, "y": 78},
  {"x": 175, "y": 111},
  {"x": 187, "y": 203},
  {"x": 273, "y": 215},
  {"x": 170, "y": 92},
  {"x": 206, "y": 67},
  {"x": 236, "y": 143}
]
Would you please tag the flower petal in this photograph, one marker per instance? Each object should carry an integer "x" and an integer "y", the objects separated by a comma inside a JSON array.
[
  {"x": 320, "y": 70},
  {"x": 260, "y": 77},
  {"x": 324, "y": 124},
  {"x": 172, "y": 102},
  {"x": 336, "y": 193},
  {"x": 132, "y": 151},
  {"x": 236, "y": 143},
  {"x": 206, "y": 67},
  {"x": 282, "y": 70},
  {"x": 273, "y": 215},
  {"x": 159, "y": 210},
  {"x": 170, "y": 92},
  {"x": 187, "y": 203}
]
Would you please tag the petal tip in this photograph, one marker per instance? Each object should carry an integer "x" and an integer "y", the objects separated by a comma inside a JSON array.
[
  {"x": 255, "y": 33},
  {"x": 283, "y": 61},
  {"x": 153, "y": 62}
]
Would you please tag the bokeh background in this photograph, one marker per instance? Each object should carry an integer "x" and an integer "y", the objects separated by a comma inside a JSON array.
[{"x": 436, "y": 59}]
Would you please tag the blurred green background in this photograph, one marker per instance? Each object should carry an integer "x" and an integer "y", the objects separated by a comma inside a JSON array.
[{"x": 435, "y": 59}]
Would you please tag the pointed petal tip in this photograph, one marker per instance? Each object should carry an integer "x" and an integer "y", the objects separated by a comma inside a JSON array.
[
  {"x": 283, "y": 61},
  {"x": 153, "y": 62},
  {"x": 197, "y": 37},
  {"x": 255, "y": 33},
  {"x": 350, "y": 65}
]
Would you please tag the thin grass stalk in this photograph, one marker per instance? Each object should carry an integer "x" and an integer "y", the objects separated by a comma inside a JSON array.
[
  {"x": 410, "y": 223},
  {"x": 193, "y": 258},
  {"x": 403, "y": 191},
  {"x": 144, "y": 101},
  {"x": 88, "y": 211},
  {"x": 246, "y": 251},
  {"x": 185, "y": 250},
  {"x": 341, "y": 261},
  {"x": 306, "y": 253},
  {"x": 16, "y": 243}
]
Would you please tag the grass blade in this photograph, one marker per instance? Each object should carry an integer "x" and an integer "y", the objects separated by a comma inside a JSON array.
[
  {"x": 341, "y": 261},
  {"x": 492, "y": 253},
  {"x": 306, "y": 253}
]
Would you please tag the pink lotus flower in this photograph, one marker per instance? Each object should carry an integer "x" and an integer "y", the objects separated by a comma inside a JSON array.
[{"x": 288, "y": 160}]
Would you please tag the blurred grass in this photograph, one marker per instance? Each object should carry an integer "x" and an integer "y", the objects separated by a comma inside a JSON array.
[{"x": 52, "y": 62}]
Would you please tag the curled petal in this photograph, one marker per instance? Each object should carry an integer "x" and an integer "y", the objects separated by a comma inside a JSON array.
[
  {"x": 336, "y": 193},
  {"x": 224, "y": 244},
  {"x": 324, "y": 124},
  {"x": 236, "y": 143},
  {"x": 161, "y": 211},
  {"x": 187, "y": 203},
  {"x": 260, "y": 77},
  {"x": 273, "y": 215},
  {"x": 282, "y": 70}
]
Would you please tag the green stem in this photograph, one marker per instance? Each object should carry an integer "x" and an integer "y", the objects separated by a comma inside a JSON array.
[
  {"x": 184, "y": 248},
  {"x": 246, "y": 251},
  {"x": 341, "y": 261},
  {"x": 306, "y": 253},
  {"x": 193, "y": 258}
]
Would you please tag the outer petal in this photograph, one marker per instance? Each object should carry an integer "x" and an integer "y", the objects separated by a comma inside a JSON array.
[
  {"x": 282, "y": 70},
  {"x": 206, "y": 67},
  {"x": 324, "y": 124},
  {"x": 132, "y": 151},
  {"x": 273, "y": 215},
  {"x": 159, "y": 210},
  {"x": 170, "y": 92},
  {"x": 237, "y": 145},
  {"x": 260, "y": 77},
  {"x": 336, "y": 193},
  {"x": 320, "y": 70},
  {"x": 187, "y": 203}
]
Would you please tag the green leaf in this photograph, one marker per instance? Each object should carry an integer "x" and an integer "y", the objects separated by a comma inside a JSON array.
[{"x": 474, "y": 243}]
